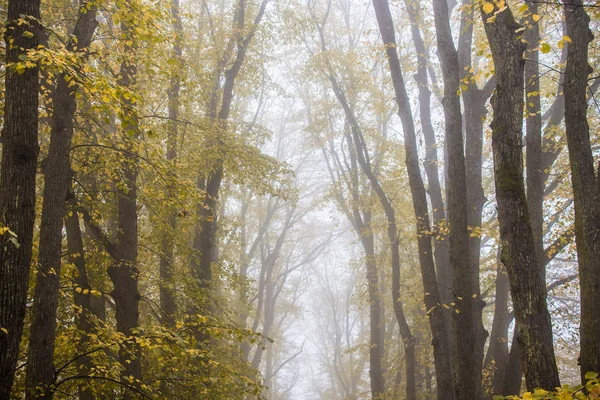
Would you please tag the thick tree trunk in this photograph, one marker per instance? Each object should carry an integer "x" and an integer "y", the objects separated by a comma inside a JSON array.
[
  {"x": 419, "y": 196},
  {"x": 586, "y": 184},
  {"x": 57, "y": 180},
  {"x": 467, "y": 368},
  {"x": 17, "y": 182},
  {"x": 518, "y": 249}
]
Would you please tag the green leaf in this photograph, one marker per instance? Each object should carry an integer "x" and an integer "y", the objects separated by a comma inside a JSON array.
[{"x": 591, "y": 375}]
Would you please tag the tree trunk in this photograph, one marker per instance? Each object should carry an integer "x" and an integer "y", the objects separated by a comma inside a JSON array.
[
  {"x": 467, "y": 367},
  {"x": 392, "y": 231},
  {"x": 57, "y": 181},
  {"x": 518, "y": 249},
  {"x": 83, "y": 300},
  {"x": 474, "y": 100},
  {"x": 586, "y": 184},
  {"x": 375, "y": 337},
  {"x": 17, "y": 179},
  {"x": 124, "y": 273},
  {"x": 441, "y": 251},
  {"x": 206, "y": 232},
  {"x": 497, "y": 354},
  {"x": 513, "y": 376},
  {"x": 419, "y": 196},
  {"x": 168, "y": 302}
]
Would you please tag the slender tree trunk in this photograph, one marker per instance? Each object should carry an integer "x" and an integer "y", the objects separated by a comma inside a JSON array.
[
  {"x": 206, "y": 233},
  {"x": 124, "y": 273},
  {"x": 168, "y": 302},
  {"x": 586, "y": 184},
  {"x": 467, "y": 368},
  {"x": 497, "y": 354},
  {"x": 83, "y": 299},
  {"x": 17, "y": 179},
  {"x": 518, "y": 249},
  {"x": 533, "y": 138},
  {"x": 475, "y": 110},
  {"x": 57, "y": 180},
  {"x": 392, "y": 231},
  {"x": 375, "y": 337},
  {"x": 432, "y": 294},
  {"x": 441, "y": 250},
  {"x": 361, "y": 222},
  {"x": 513, "y": 376}
]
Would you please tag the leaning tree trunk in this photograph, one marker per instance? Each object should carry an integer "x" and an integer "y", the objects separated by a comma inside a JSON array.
[
  {"x": 363, "y": 158},
  {"x": 57, "y": 180},
  {"x": 392, "y": 232},
  {"x": 432, "y": 294},
  {"x": 518, "y": 249},
  {"x": 441, "y": 248},
  {"x": 17, "y": 181},
  {"x": 467, "y": 366},
  {"x": 586, "y": 184}
]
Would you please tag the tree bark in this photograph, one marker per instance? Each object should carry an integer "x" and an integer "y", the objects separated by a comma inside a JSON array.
[
  {"x": 17, "y": 179},
  {"x": 518, "y": 249},
  {"x": 432, "y": 294},
  {"x": 57, "y": 180},
  {"x": 467, "y": 368},
  {"x": 586, "y": 184}
]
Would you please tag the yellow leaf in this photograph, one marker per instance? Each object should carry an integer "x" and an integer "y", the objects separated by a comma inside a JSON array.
[
  {"x": 4, "y": 330},
  {"x": 567, "y": 39},
  {"x": 545, "y": 48},
  {"x": 488, "y": 7},
  {"x": 535, "y": 17}
]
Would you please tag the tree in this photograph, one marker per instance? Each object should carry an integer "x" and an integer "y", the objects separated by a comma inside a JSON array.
[
  {"x": 17, "y": 179},
  {"x": 586, "y": 184},
  {"x": 518, "y": 251},
  {"x": 57, "y": 181},
  {"x": 432, "y": 294}
]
